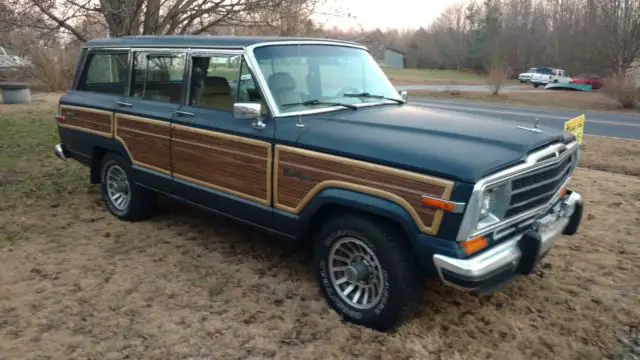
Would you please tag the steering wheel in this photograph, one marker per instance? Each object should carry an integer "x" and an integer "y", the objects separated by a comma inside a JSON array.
[{"x": 347, "y": 90}]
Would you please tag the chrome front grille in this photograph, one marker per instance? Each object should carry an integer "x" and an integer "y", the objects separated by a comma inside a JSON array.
[
  {"x": 539, "y": 187},
  {"x": 533, "y": 186}
]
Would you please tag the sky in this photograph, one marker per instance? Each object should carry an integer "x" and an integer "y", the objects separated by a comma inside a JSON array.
[{"x": 383, "y": 14}]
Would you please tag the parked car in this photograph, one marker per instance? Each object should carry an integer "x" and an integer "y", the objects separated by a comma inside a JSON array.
[
  {"x": 527, "y": 75},
  {"x": 589, "y": 79},
  {"x": 385, "y": 192},
  {"x": 546, "y": 76}
]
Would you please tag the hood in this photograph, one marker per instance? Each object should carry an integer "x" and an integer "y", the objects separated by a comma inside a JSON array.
[{"x": 449, "y": 144}]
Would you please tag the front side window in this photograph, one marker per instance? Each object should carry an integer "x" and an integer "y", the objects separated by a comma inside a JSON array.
[
  {"x": 304, "y": 77},
  {"x": 219, "y": 81},
  {"x": 158, "y": 77},
  {"x": 105, "y": 73}
]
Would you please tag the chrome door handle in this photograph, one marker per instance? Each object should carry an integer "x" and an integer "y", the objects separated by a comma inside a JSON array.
[
  {"x": 184, "y": 113},
  {"x": 124, "y": 104}
]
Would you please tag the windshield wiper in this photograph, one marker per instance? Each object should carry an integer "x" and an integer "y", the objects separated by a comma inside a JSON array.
[
  {"x": 372, "y": 96},
  {"x": 320, "y": 102}
]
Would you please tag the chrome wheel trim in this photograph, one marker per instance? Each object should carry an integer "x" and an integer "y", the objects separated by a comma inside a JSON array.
[
  {"x": 355, "y": 273},
  {"x": 118, "y": 188}
]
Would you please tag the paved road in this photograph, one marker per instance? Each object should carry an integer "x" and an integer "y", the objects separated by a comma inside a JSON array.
[{"x": 598, "y": 123}]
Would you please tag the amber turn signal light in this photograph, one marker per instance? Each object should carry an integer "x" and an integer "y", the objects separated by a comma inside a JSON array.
[
  {"x": 474, "y": 245},
  {"x": 438, "y": 204},
  {"x": 563, "y": 191}
]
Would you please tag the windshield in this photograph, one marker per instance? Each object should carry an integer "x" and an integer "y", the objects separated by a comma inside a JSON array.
[{"x": 308, "y": 77}]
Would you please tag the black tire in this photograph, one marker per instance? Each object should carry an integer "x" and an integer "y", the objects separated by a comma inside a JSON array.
[
  {"x": 401, "y": 279},
  {"x": 535, "y": 85},
  {"x": 142, "y": 201}
]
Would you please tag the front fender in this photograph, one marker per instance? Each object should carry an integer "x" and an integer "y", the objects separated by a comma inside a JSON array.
[
  {"x": 423, "y": 245},
  {"x": 363, "y": 202}
]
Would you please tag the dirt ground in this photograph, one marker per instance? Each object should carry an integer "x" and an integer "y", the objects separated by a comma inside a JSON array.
[{"x": 75, "y": 283}]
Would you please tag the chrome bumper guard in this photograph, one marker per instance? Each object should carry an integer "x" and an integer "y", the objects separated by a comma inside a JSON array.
[
  {"x": 506, "y": 256},
  {"x": 60, "y": 153}
]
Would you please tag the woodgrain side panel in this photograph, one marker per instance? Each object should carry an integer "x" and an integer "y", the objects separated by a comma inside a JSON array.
[
  {"x": 301, "y": 174},
  {"x": 227, "y": 163},
  {"x": 89, "y": 120},
  {"x": 147, "y": 141}
]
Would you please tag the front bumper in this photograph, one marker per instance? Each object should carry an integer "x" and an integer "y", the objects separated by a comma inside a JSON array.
[{"x": 514, "y": 256}]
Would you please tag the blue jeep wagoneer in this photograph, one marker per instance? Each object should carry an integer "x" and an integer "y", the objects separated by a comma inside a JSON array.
[{"x": 307, "y": 139}]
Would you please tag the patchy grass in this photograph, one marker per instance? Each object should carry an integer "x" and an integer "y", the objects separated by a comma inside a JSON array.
[
  {"x": 77, "y": 283},
  {"x": 432, "y": 76},
  {"x": 27, "y": 136},
  {"x": 547, "y": 98}
]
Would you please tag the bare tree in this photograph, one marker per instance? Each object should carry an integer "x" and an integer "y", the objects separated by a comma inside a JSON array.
[
  {"x": 497, "y": 76},
  {"x": 147, "y": 17},
  {"x": 601, "y": 36}
]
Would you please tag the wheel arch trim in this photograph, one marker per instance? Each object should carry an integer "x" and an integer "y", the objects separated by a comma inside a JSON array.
[{"x": 361, "y": 201}]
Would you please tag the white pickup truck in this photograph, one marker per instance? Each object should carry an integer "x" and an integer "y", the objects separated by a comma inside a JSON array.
[{"x": 545, "y": 76}]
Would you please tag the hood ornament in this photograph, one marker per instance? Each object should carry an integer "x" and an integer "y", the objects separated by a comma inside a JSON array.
[{"x": 535, "y": 127}]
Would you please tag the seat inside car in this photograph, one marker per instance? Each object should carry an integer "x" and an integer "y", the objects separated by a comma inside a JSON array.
[
  {"x": 216, "y": 94},
  {"x": 283, "y": 87}
]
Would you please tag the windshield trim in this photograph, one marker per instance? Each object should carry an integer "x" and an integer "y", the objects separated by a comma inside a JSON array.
[{"x": 252, "y": 62}]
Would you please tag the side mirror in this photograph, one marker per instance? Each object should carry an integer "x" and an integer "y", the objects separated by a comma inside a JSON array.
[
  {"x": 404, "y": 95},
  {"x": 249, "y": 111}
]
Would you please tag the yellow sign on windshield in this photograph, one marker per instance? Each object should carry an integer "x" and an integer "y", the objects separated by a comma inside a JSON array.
[{"x": 576, "y": 127}]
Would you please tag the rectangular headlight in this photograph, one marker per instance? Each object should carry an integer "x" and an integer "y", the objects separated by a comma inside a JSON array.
[{"x": 494, "y": 202}]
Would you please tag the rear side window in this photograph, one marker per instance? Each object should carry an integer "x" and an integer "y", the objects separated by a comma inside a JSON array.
[
  {"x": 105, "y": 73},
  {"x": 158, "y": 77}
]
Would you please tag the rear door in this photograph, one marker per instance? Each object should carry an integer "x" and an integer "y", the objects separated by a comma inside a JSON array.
[
  {"x": 218, "y": 161},
  {"x": 143, "y": 117}
]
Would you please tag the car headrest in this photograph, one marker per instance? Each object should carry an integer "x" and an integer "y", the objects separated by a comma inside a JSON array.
[
  {"x": 216, "y": 85},
  {"x": 281, "y": 81}
]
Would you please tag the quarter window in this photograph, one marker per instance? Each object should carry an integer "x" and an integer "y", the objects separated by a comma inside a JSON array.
[
  {"x": 105, "y": 73},
  {"x": 158, "y": 77}
]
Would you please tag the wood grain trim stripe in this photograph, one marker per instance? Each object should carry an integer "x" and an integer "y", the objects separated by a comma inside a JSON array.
[
  {"x": 233, "y": 138},
  {"x": 83, "y": 129},
  {"x": 370, "y": 166},
  {"x": 124, "y": 144},
  {"x": 91, "y": 111},
  {"x": 162, "y": 123},
  {"x": 222, "y": 189},
  {"x": 216, "y": 148},
  {"x": 222, "y": 135},
  {"x": 432, "y": 228}
]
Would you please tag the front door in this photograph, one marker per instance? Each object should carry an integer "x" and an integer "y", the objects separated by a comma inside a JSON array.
[
  {"x": 143, "y": 117},
  {"x": 218, "y": 161}
]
